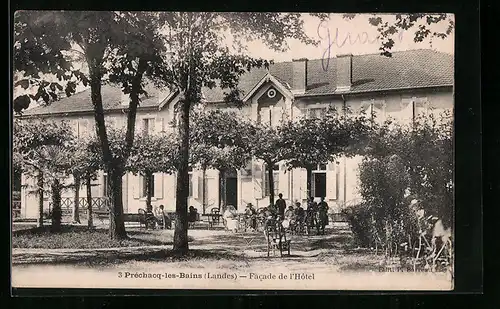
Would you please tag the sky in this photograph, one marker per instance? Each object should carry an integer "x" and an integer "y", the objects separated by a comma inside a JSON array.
[{"x": 359, "y": 36}]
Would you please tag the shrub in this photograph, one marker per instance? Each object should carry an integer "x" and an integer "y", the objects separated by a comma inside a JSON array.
[
  {"x": 16, "y": 195},
  {"x": 359, "y": 218},
  {"x": 406, "y": 183}
]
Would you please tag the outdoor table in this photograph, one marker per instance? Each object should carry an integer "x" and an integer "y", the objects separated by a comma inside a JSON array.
[{"x": 213, "y": 218}]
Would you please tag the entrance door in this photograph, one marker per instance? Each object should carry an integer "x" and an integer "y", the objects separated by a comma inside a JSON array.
[
  {"x": 319, "y": 183},
  {"x": 232, "y": 191}
]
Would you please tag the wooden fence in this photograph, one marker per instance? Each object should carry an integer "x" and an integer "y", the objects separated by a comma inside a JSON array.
[{"x": 98, "y": 203}]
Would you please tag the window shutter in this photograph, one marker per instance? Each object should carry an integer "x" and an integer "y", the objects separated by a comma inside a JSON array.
[
  {"x": 136, "y": 186},
  {"x": 257, "y": 179},
  {"x": 141, "y": 186},
  {"x": 152, "y": 126},
  {"x": 331, "y": 181},
  {"x": 158, "y": 185},
  {"x": 138, "y": 125},
  {"x": 407, "y": 110},
  {"x": 194, "y": 179},
  {"x": 284, "y": 181},
  {"x": 74, "y": 126},
  {"x": 159, "y": 125},
  {"x": 303, "y": 184}
]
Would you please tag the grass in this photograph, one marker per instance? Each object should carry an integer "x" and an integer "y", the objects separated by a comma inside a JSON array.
[{"x": 80, "y": 237}]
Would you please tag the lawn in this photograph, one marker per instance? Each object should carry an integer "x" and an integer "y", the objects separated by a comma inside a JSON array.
[{"x": 80, "y": 237}]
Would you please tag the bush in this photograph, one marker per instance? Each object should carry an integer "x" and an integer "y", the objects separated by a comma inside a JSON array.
[
  {"x": 359, "y": 218},
  {"x": 16, "y": 195},
  {"x": 406, "y": 183}
]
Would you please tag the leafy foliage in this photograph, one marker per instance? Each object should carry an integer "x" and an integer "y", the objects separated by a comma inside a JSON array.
[
  {"x": 224, "y": 151},
  {"x": 406, "y": 181},
  {"x": 422, "y": 25},
  {"x": 153, "y": 154},
  {"x": 311, "y": 141}
]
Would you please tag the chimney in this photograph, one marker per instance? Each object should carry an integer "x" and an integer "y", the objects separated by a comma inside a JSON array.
[
  {"x": 299, "y": 76},
  {"x": 344, "y": 72}
]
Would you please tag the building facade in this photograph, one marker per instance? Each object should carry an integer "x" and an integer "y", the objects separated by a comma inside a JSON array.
[{"x": 400, "y": 87}]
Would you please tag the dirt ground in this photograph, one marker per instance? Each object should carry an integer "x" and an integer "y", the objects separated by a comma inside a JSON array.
[{"x": 222, "y": 260}]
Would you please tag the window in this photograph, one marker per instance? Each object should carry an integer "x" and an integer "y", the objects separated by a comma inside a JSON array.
[
  {"x": 414, "y": 107},
  {"x": 319, "y": 181},
  {"x": 265, "y": 116},
  {"x": 151, "y": 185},
  {"x": 420, "y": 106},
  {"x": 315, "y": 112},
  {"x": 276, "y": 172},
  {"x": 373, "y": 107},
  {"x": 148, "y": 125}
]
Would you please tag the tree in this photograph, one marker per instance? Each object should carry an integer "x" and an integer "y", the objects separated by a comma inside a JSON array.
[
  {"x": 40, "y": 150},
  {"x": 426, "y": 149},
  {"x": 200, "y": 57},
  {"x": 224, "y": 152},
  {"x": 422, "y": 25},
  {"x": 152, "y": 154},
  {"x": 120, "y": 47},
  {"x": 85, "y": 162},
  {"x": 270, "y": 145},
  {"x": 312, "y": 141}
]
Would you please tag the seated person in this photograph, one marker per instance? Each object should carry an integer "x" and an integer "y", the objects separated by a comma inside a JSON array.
[
  {"x": 192, "y": 215},
  {"x": 230, "y": 218},
  {"x": 289, "y": 217},
  {"x": 290, "y": 213},
  {"x": 163, "y": 217},
  {"x": 251, "y": 216},
  {"x": 299, "y": 212}
]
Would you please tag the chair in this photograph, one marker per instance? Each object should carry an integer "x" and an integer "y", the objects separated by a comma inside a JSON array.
[
  {"x": 214, "y": 218},
  {"x": 276, "y": 238}
]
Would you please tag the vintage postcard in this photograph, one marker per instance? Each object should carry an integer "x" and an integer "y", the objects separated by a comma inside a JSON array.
[{"x": 235, "y": 151}]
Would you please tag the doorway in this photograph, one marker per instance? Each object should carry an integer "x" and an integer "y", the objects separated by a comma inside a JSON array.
[
  {"x": 319, "y": 184},
  {"x": 232, "y": 191}
]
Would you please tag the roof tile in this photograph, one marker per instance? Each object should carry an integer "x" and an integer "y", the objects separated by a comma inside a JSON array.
[{"x": 372, "y": 72}]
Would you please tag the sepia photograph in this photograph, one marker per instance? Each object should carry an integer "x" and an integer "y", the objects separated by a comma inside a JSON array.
[{"x": 233, "y": 151}]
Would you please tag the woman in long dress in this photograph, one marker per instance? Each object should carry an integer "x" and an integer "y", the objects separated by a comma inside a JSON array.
[{"x": 230, "y": 218}]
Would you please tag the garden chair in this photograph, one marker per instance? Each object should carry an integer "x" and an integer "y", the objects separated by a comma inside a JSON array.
[{"x": 276, "y": 238}]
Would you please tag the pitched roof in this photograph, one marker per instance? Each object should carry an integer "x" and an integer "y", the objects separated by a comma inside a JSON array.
[
  {"x": 81, "y": 102},
  {"x": 420, "y": 68}
]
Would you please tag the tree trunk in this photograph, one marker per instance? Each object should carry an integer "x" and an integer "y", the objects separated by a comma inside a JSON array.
[
  {"x": 203, "y": 185},
  {"x": 90, "y": 222},
  {"x": 181, "y": 204},
  {"x": 270, "y": 176},
  {"x": 222, "y": 189},
  {"x": 56, "y": 206},
  {"x": 309, "y": 182},
  {"x": 40, "y": 199},
  {"x": 149, "y": 191},
  {"x": 76, "y": 202},
  {"x": 116, "y": 223}
]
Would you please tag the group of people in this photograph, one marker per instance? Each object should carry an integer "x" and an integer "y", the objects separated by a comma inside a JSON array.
[
  {"x": 294, "y": 218},
  {"x": 158, "y": 217}
]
